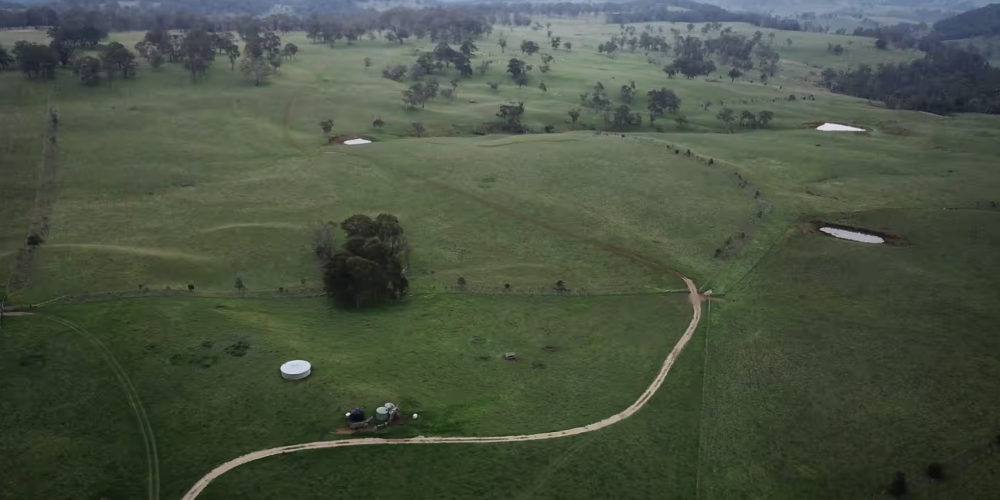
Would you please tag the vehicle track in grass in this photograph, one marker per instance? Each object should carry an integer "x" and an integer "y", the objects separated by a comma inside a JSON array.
[{"x": 149, "y": 441}]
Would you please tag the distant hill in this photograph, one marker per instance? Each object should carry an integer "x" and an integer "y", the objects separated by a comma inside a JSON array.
[{"x": 984, "y": 21}]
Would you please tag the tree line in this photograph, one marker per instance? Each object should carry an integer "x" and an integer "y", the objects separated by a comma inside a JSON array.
[{"x": 947, "y": 79}]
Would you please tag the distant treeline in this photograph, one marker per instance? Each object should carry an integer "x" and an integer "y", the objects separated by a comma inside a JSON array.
[
  {"x": 947, "y": 80},
  {"x": 644, "y": 11},
  {"x": 979, "y": 22},
  {"x": 437, "y": 23}
]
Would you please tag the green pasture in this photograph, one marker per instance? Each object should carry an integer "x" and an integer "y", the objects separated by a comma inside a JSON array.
[
  {"x": 207, "y": 372},
  {"x": 828, "y": 366},
  {"x": 653, "y": 454},
  {"x": 835, "y": 364},
  {"x": 70, "y": 432}
]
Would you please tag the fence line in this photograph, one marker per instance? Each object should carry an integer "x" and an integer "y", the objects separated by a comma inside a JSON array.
[
  {"x": 146, "y": 293},
  {"x": 300, "y": 293},
  {"x": 598, "y": 291}
]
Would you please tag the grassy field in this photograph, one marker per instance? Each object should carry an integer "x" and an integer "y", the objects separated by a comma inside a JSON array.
[
  {"x": 836, "y": 364},
  {"x": 825, "y": 368},
  {"x": 76, "y": 436},
  {"x": 441, "y": 355},
  {"x": 653, "y": 454}
]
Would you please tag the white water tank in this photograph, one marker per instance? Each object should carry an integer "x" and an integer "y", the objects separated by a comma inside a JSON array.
[{"x": 295, "y": 370}]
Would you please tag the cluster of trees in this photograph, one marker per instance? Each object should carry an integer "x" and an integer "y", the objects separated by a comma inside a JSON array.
[
  {"x": 370, "y": 267},
  {"x": 77, "y": 30},
  {"x": 947, "y": 79},
  {"x": 741, "y": 52},
  {"x": 690, "y": 59},
  {"x": 115, "y": 59},
  {"x": 36, "y": 61},
  {"x": 432, "y": 63},
  {"x": 659, "y": 102},
  {"x": 745, "y": 119},
  {"x": 419, "y": 93}
]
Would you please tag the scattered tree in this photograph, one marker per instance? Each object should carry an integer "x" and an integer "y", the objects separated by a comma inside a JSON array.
[
  {"x": 321, "y": 239},
  {"x": 528, "y": 47},
  {"x": 468, "y": 48},
  {"x": 88, "y": 69},
  {"x": 568, "y": 45},
  {"x": 681, "y": 121},
  {"x": 661, "y": 101},
  {"x": 418, "y": 129},
  {"x": 197, "y": 51},
  {"x": 624, "y": 118},
  {"x": 256, "y": 69},
  {"x": 542, "y": 86},
  {"x": 764, "y": 117},
  {"x": 327, "y": 125},
  {"x": 727, "y": 117},
  {"x": 502, "y": 41},
  {"x": 510, "y": 117},
  {"x": 555, "y": 42},
  {"x": 574, "y": 115},
  {"x": 396, "y": 72},
  {"x": 627, "y": 93},
  {"x": 368, "y": 64},
  {"x": 734, "y": 74},
  {"x": 881, "y": 44},
  {"x": 238, "y": 284}
]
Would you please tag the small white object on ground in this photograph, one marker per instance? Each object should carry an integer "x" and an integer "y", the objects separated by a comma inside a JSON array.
[
  {"x": 357, "y": 142},
  {"x": 836, "y": 127},
  {"x": 295, "y": 370},
  {"x": 414, "y": 416},
  {"x": 852, "y": 235}
]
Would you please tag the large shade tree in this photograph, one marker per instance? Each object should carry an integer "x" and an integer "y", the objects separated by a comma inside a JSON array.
[{"x": 370, "y": 267}]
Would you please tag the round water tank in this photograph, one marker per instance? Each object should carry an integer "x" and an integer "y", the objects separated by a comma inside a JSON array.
[
  {"x": 389, "y": 406},
  {"x": 295, "y": 370},
  {"x": 381, "y": 413}
]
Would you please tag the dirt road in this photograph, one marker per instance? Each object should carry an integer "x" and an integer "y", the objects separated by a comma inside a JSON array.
[{"x": 627, "y": 412}]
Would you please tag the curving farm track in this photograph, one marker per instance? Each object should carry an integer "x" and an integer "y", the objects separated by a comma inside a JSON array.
[{"x": 627, "y": 412}]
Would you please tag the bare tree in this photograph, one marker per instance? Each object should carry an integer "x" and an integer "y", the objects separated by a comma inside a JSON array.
[{"x": 321, "y": 238}]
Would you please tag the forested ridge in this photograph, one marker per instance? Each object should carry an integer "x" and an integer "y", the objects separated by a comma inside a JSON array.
[{"x": 980, "y": 22}]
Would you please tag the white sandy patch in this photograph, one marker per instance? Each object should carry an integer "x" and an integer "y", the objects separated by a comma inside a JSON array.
[
  {"x": 852, "y": 235},
  {"x": 836, "y": 127}
]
